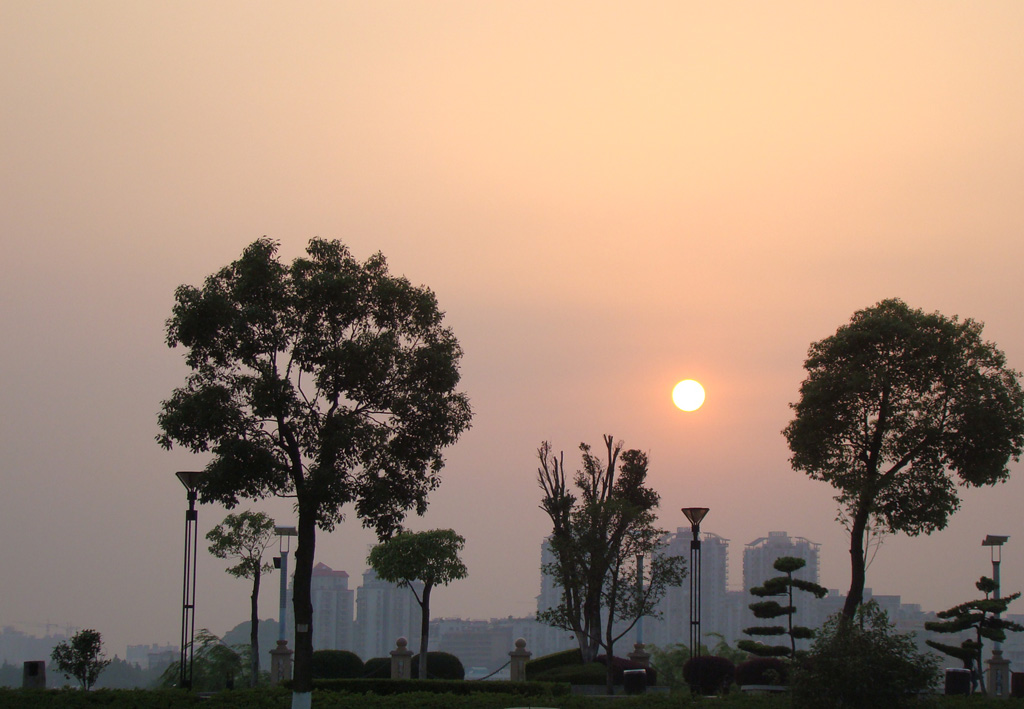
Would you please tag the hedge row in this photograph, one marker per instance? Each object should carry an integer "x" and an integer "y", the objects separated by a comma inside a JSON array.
[{"x": 439, "y": 686}]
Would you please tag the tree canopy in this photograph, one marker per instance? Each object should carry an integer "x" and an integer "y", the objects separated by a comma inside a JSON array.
[
  {"x": 329, "y": 380},
  {"x": 898, "y": 408},
  {"x": 597, "y": 533},
  {"x": 431, "y": 557}
]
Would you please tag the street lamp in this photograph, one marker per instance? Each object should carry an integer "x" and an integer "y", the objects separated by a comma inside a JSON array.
[
  {"x": 695, "y": 515},
  {"x": 998, "y": 667},
  {"x": 190, "y": 479},
  {"x": 281, "y": 665}
]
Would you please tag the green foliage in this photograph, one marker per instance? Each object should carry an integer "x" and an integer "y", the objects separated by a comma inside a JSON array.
[
  {"x": 537, "y": 665},
  {"x": 762, "y": 670},
  {"x": 443, "y": 665},
  {"x": 214, "y": 665},
  {"x": 898, "y": 408},
  {"x": 589, "y": 674},
  {"x": 82, "y": 658},
  {"x": 598, "y": 531},
  {"x": 366, "y": 686},
  {"x": 377, "y": 667},
  {"x": 327, "y": 379},
  {"x": 862, "y": 663},
  {"x": 709, "y": 674},
  {"x": 336, "y": 664},
  {"x": 780, "y": 586},
  {"x": 982, "y": 617}
]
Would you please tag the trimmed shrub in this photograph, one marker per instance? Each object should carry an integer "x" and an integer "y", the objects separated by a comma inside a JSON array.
[
  {"x": 336, "y": 664},
  {"x": 377, "y": 668},
  {"x": 762, "y": 670},
  {"x": 556, "y": 659},
  {"x": 440, "y": 665},
  {"x": 621, "y": 664},
  {"x": 708, "y": 674},
  {"x": 592, "y": 673},
  {"x": 438, "y": 686}
]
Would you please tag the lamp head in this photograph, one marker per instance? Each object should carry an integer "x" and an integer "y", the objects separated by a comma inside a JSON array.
[
  {"x": 994, "y": 540},
  {"x": 190, "y": 478},
  {"x": 695, "y": 515}
]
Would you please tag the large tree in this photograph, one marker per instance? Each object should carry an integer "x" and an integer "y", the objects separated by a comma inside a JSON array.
[
  {"x": 898, "y": 408},
  {"x": 328, "y": 380},
  {"x": 598, "y": 531},
  {"x": 245, "y": 537},
  {"x": 431, "y": 557}
]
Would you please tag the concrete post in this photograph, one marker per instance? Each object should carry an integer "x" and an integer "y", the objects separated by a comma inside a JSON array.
[
  {"x": 517, "y": 667},
  {"x": 998, "y": 675},
  {"x": 33, "y": 675},
  {"x": 401, "y": 660},
  {"x": 640, "y": 655},
  {"x": 280, "y": 663}
]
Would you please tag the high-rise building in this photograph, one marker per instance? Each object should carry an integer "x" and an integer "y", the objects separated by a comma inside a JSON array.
[
  {"x": 333, "y": 605},
  {"x": 384, "y": 613}
]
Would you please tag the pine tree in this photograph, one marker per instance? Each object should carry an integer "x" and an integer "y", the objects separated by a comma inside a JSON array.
[{"x": 780, "y": 586}]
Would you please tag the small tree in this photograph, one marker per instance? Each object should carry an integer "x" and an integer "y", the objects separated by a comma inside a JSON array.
[
  {"x": 596, "y": 537},
  {"x": 981, "y": 615},
  {"x": 780, "y": 586},
  {"x": 245, "y": 537},
  {"x": 216, "y": 664},
  {"x": 82, "y": 658},
  {"x": 431, "y": 557},
  {"x": 899, "y": 407}
]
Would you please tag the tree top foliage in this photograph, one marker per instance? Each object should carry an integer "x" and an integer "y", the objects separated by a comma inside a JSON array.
[
  {"x": 328, "y": 379},
  {"x": 899, "y": 406},
  {"x": 244, "y": 536},
  {"x": 431, "y": 557}
]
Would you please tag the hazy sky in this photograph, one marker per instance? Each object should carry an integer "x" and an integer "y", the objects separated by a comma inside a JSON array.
[{"x": 606, "y": 198}]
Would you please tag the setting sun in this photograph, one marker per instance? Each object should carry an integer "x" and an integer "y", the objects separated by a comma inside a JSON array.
[{"x": 688, "y": 395}]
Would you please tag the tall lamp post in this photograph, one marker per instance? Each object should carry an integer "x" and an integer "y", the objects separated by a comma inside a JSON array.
[
  {"x": 190, "y": 479},
  {"x": 281, "y": 656},
  {"x": 695, "y": 515},
  {"x": 998, "y": 668}
]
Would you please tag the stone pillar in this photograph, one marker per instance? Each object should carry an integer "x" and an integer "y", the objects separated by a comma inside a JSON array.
[
  {"x": 280, "y": 663},
  {"x": 517, "y": 667},
  {"x": 640, "y": 655},
  {"x": 401, "y": 660},
  {"x": 33, "y": 675},
  {"x": 998, "y": 675}
]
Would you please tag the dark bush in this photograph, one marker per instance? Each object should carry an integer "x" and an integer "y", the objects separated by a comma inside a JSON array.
[
  {"x": 336, "y": 664},
  {"x": 440, "y": 665},
  {"x": 556, "y": 659},
  {"x": 377, "y": 668},
  {"x": 708, "y": 674},
  {"x": 592, "y": 673},
  {"x": 621, "y": 664},
  {"x": 762, "y": 670},
  {"x": 439, "y": 686}
]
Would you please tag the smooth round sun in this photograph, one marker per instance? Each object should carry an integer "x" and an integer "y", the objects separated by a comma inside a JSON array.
[{"x": 688, "y": 395}]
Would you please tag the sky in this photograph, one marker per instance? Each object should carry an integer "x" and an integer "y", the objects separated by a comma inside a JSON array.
[{"x": 606, "y": 198}]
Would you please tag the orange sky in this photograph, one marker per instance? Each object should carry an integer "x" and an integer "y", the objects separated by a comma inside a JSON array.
[{"x": 607, "y": 198}]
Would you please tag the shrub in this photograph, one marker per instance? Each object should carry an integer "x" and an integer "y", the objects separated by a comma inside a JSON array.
[
  {"x": 556, "y": 659},
  {"x": 336, "y": 664},
  {"x": 377, "y": 668},
  {"x": 440, "y": 665},
  {"x": 591, "y": 673},
  {"x": 621, "y": 664},
  {"x": 862, "y": 663},
  {"x": 709, "y": 674},
  {"x": 762, "y": 670}
]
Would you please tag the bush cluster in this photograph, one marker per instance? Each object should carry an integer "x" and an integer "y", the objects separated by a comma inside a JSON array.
[
  {"x": 709, "y": 674},
  {"x": 336, "y": 664}
]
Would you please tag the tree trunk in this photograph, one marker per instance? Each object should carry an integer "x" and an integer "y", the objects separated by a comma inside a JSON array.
[
  {"x": 254, "y": 630},
  {"x": 424, "y": 630},
  {"x": 857, "y": 565},
  {"x": 303, "y": 604}
]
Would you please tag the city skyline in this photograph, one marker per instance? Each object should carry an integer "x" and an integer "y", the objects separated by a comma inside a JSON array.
[{"x": 605, "y": 199}]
